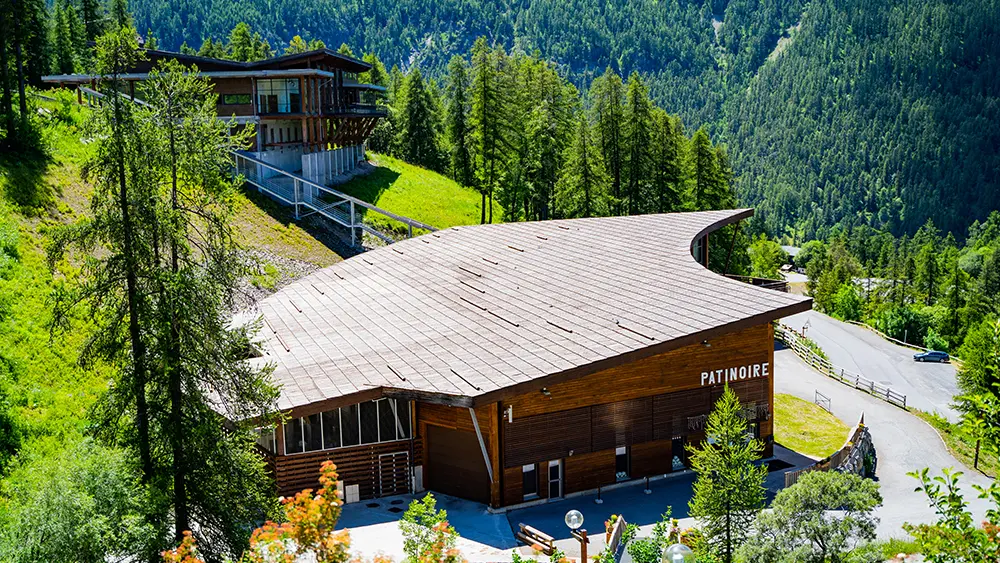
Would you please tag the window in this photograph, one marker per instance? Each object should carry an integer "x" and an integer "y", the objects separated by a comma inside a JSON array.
[
  {"x": 279, "y": 96},
  {"x": 331, "y": 429},
  {"x": 265, "y": 438},
  {"x": 621, "y": 464},
  {"x": 386, "y": 421},
  {"x": 351, "y": 429},
  {"x": 369, "y": 422},
  {"x": 529, "y": 486},
  {"x": 293, "y": 436},
  {"x": 235, "y": 99},
  {"x": 312, "y": 433}
]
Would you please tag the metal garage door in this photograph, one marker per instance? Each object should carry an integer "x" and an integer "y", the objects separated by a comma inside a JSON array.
[{"x": 455, "y": 464}]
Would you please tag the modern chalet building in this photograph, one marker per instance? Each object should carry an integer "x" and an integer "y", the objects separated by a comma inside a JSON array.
[
  {"x": 311, "y": 114},
  {"x": 513, "y": 362}
]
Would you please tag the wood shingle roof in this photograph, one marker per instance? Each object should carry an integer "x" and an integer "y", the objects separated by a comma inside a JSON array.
[{"x": 467, "y": 314}]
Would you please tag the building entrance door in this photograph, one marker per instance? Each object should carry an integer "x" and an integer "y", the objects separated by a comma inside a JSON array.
[
  {"x": 555, "y": 479},
  {"x": 679, "y": 454}
]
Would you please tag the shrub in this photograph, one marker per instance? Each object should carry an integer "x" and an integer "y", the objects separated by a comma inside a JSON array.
[{"x": 420, "y": 527}]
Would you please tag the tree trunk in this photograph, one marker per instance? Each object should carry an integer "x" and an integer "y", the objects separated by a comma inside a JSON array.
[
  {"x": 181, "y": 517},
  {"x": 5, "y": 97},
  {"x": 131, "y": 282},
  {"x": 22, "y": 101}
]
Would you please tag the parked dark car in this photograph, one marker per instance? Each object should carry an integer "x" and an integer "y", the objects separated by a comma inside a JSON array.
[{"x": 931, "y": 356}]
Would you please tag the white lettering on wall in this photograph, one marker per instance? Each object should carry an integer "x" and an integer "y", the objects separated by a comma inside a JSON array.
[{"x": 736, "y": 373}]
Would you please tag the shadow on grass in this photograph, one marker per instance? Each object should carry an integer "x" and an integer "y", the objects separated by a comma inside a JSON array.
[
  {"x": 22, "y": 183},
  {"x": 332, "y": 236}
]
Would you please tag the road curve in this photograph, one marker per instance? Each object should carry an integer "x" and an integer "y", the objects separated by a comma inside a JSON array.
[
  {"x": 903, "y": 443},
  {"x": 927, "y": 386}
]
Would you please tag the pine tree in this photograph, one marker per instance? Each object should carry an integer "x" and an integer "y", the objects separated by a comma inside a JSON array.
[
  {"x": 638, "y": 135},
  {"x": 186, "y": 49},
  {"x": 345, "y": 50},
  {"x": 296, "y": 45},
  {"x": 729, "y": 490},
  {"x": 201, "y": 360},
  {"x": 93, "y": 18},
  {"x": 246, "y": 45},
  {"x": 458, "y": 127},
  {"x": 377, "y": 74},
  {"x": 120, "y": 14},
  {"x": 65, "y": 51},
  {"x": 212, "y": 49},
  {"x": 708, "y": 180},
  {"x": 417, "y": 125},
  {"x": 928, "y": 272},
  {"x": 608, "y": 108},
  {"x": 583, "y": 185},
  {"x": 487, "y": 121},
  {"x": 667, "y": 166}
]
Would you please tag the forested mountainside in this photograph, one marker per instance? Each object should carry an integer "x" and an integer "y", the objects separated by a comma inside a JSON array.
[{"x": 836, "y": 112}]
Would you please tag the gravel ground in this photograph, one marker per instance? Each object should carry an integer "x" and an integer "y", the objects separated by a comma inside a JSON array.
[{"x": 288, "y": 270}]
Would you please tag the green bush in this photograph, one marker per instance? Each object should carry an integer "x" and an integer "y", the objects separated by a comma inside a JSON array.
[
  {"x": 935, "y": 341},
  {"x": 847, "y": 304}
]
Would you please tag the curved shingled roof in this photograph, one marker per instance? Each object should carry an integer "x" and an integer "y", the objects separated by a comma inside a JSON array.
[{"x": 470, "y": 314}]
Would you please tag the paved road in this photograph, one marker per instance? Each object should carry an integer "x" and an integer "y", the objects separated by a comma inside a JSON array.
[
  {"x": 928, "y": 387},
  {"x": 903, "y": 443}
]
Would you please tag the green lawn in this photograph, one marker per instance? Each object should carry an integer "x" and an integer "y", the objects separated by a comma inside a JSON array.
[
  {"x": 960, "y": 444},
  {"x": 416, "y": 193},
  {"x": 806, "y": 428}
]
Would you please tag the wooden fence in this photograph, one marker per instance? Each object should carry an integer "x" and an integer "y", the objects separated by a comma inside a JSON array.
[
  {"x": 849, "y": 458},
  {"x": 796, "y": 342}
]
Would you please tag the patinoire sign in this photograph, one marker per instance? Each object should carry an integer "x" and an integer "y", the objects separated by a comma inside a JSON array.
[{"x": 739, "y": 373}]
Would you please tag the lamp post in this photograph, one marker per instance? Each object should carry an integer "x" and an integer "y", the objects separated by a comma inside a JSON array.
[
  {"x": 574, "y": 519},
  {"x": 678, "y": 553}
]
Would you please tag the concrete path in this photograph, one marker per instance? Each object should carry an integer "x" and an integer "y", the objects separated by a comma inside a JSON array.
[
  {"x": 928, "y": 387},
  {"x": 903, "y": 443}
]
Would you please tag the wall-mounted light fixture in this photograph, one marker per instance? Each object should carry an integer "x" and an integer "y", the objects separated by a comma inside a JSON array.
[
  {"x": 546, "y": 392},
  {"x": 706, "y": 343},
  {"x": 510, "y": 413}
]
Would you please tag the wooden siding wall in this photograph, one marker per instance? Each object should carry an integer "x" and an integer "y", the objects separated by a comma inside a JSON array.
[
  {"x": 357, "y": 465},
  {"x": 233, "y": 86},
  {"x": 642, "y": 405}
]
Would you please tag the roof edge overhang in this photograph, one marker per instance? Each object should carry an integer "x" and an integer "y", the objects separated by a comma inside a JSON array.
[{"x": 283, "y": 73}]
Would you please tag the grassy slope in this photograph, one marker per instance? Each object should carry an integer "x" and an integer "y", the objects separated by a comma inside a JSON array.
[
  {"x": 50, "y": 391},
  {"x": 417, "y": 193},
  {"x": 960, "y": 444},
  {"x": 806, "y": 428}
]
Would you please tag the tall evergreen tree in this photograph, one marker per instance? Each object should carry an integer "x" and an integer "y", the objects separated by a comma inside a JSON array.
[
  {"x": 608, "y": 107},
  {"x": 217, "y": 482},
  {"x": 487, "y": 121},
  {"x": 638, "y": 136},
  {"x": 729, "y": 490},
  {"x": 707, "y": 185},
  {"x": 417, "y": 123},
  {"x": 93, "y": 18},
  {"x": 458, "y": 126},
  {"x": 583, "y": 188},
  {"x": 666, "y": 163},
  {"x": 246, "y": 45}
]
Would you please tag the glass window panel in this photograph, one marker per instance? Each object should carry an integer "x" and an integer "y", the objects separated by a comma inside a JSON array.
[
  {"x": 312, "y": 433},
  {"x": 369, "y": 422},
  {"x": 331, "y": 429},
  {"x": 293, "y": 436},
  {"x": 350, "y": 429},
  {"x": 265, "y": 438},
  {"x": 386, "y": 420},
  {"x": 403, "y": 415},
  {"x": 529, "y": 484}
]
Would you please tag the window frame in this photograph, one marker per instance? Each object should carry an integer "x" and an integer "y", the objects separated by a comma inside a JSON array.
[
  {"x": 224, "y": 99},
  {"x": 394, "y": 406}
]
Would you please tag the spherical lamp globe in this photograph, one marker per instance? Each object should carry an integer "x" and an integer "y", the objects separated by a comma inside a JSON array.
[
  {"x": 678, "y": 553},
  {"x": 574, "y": 519}
]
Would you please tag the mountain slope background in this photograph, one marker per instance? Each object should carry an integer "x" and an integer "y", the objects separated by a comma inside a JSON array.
[{"x": 836, "y": 112}]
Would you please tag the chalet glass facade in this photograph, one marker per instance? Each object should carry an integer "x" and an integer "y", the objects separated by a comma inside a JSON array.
[
  {"x": 279, "y": 96},
  {"x": 371, "y": 422}
]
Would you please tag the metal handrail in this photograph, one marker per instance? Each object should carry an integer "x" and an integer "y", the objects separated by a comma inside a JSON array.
[{"x": 405, "y": 220}]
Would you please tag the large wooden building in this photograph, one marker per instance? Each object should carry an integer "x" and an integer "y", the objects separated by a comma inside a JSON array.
[
  {"x": 514, "y": 362},
  {"x": 311, "y": 113}
]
